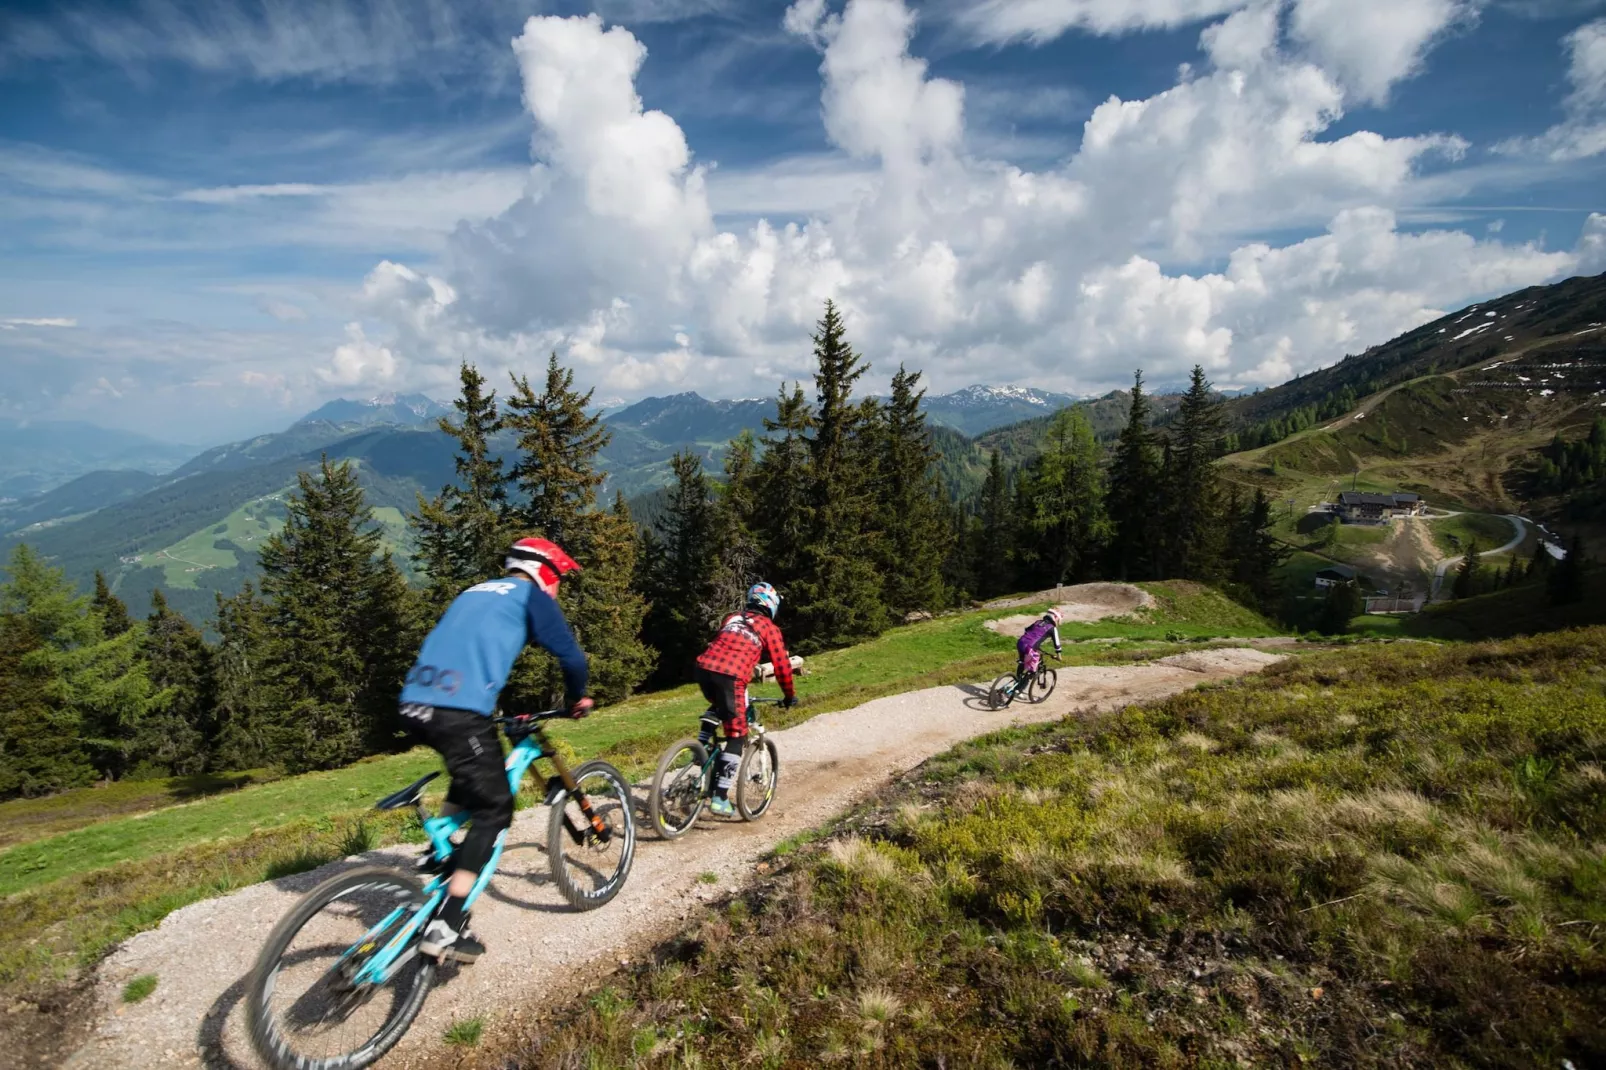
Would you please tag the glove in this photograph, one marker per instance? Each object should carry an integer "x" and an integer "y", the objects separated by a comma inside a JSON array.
[
  {"x": 788, "y": 702},
  {"x": 581, "y": 708}
]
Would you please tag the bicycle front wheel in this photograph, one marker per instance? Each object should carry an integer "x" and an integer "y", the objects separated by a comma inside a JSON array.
[
  {"x": 679, "y": 789},
  {"x": 1042, "y": 685},
  {"x": 588, "y": 868},
  {"x": 1002, "y": 693},
  {"x": 757, "y": 779},
  {"x": 303, "y": 1009}
]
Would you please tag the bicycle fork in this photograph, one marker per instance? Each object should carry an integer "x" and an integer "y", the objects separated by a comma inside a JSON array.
[{"x": 599, "y": 826}]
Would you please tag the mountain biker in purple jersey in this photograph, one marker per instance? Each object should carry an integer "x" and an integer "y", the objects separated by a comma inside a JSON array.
[{"x": 1039, "y": 630}]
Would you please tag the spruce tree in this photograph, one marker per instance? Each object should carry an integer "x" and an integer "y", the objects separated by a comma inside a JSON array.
[
  {"x": 682, "y": 576},
  {"x": 1255, "y": 554},
  {"x": 1194, "y": 526},
  {"x": 41, "y": 732},
  {"x": 462, "y": 532},
  {"x": 1342, "y": 604},
  {"x": 114, "y": 619},
  {"x": 836, "y": 597},
  {"x": 89, "y": 691},
  {"x": 605, "y": 607},
  {"x": 1134, "y": 495},
  {"x": 783, "y": 505},
  {"x": 994, "y": 561},
  {"x": 177, "y": 736},
  {"x": 246, "y": 698},
  {"x": 913, "y": 513},
  {"x": 1061, "y": 504},
  {"x": 330, "y": 608},
  {"x": 558, "y": 442},
  {"x": 1466, "y": 574},
  {"x": 736, "y": 524},
  {"x": 1565, "y": 584}
]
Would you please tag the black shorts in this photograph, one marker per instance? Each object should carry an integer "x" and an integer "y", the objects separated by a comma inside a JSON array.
[{"x": 472, "y": 750}]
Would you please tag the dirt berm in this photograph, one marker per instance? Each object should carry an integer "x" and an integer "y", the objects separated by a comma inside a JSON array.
[
  {"x": 538, "y": 948},
  {"x": 1080, "y": 604}
]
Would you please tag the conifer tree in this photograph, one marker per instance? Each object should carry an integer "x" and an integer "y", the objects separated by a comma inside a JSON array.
[
  {"x": 462, "y": 532},
  {"x": 334, "y": 622},
  {"x": 606, "y": 609},
  {"x": 41, "y": 748},
  {"x": 782, "y": 477},
  {"x": 836, "y": 596},
  {"x": 682, "y": 576},
  {"x": 90, "y": 692},
  {"x": 114, "y": 619},
  {"x": 556, "y": 476},
  {"x": 994, "y": 565},
  {"x": 736, "y": 523},
  {"x": 1565, "y": 584},
  {"x": 1194, "y": 528},
  {"x": 1342, "y": 604},
  {"x": 1060, "y": 500},
  {"x": 1466, "y": 574},
  {"x": 176, "y": 737},
  {"x": 1254, "y": 553},
  {"x": 558, "y": 442},
  {"x": 1134, "y": 495},
  {"x": 246, "y": 699},
  {"x": 913, "y": 521}
]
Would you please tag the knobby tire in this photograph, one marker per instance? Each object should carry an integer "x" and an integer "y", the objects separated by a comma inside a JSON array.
[
  {"x": 665, "y": 822},
  {"x": 624, "y": 832},
  {"x": 418, "y": 975},
  {"x": 754, "y": 796}
]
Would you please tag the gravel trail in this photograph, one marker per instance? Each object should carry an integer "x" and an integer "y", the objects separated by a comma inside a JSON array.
[{"x": 536, "y": 945}]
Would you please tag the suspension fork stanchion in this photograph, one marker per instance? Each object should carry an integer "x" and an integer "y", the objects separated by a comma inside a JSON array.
[{"x": 599, "y": 826}]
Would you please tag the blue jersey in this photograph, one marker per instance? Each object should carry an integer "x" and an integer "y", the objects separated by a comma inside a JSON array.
[{"x": 466, "y": 659}]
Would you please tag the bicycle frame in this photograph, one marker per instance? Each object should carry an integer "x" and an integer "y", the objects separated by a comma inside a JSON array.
[
  {"x": 382, "y": 966},
  {"x": 706, "y": 777}
]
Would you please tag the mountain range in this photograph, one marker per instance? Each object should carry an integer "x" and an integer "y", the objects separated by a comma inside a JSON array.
[{"x": 1494, "y": 380}]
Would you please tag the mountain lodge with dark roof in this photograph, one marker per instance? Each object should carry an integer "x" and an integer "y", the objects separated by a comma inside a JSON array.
[{"x": 1364, "y": 507}]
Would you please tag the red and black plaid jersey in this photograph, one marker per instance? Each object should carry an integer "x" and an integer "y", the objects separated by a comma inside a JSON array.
[{"x": 744, "y": 640}]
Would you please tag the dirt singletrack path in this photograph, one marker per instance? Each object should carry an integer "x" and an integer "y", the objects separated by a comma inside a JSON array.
[{"x": 536, "y": 944}]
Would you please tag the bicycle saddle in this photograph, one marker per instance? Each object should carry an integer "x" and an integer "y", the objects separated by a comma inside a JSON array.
[{"x": 407, "y": 796}]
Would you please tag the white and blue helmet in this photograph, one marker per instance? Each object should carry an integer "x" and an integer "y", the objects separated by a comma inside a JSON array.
[{"x": 763, "y": 596}]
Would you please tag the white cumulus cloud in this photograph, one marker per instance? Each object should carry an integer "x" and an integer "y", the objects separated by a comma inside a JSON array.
[
  {"x": 1583, "y": 133},
  {"x": 966, "y": 266}
]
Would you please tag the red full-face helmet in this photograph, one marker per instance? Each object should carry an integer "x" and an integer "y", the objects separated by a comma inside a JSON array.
[{"x": 543, "y": 560}]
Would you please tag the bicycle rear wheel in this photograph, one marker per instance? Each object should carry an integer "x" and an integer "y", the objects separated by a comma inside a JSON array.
[
  {"x": 303, "y": 1010},
  {"x": 679, "y": 789},
  {"x": 587, "y": 869},
  {"x": 1042, "y": 684},
  {"x": 1002, "y": 693},
  {"x": 757, "y": 779}
]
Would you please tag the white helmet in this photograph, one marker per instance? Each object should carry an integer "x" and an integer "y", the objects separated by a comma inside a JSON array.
[{"x": 1053, "y": 615}]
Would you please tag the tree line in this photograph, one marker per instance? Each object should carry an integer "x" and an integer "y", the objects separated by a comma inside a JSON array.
[{"x": 839, "y": 502}]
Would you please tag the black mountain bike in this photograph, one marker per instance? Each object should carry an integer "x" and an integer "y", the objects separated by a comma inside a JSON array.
[{"x": 1036, "y": 686}]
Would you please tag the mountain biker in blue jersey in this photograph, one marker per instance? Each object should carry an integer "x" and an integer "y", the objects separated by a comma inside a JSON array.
[
  {"x": 450, "y": 697},
  {"x": 1032, "y": 638}
]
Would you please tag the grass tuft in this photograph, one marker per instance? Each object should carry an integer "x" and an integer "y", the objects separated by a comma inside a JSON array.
[
  {"x": 465, "y": 1033},
  {"x": 139, "y": 988}
]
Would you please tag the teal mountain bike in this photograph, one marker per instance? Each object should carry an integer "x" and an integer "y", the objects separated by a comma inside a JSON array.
[
  {"x": 1035, "y": 686},
  {"x": 684, "y": 781},
  {"x": 341, "y": 978}
]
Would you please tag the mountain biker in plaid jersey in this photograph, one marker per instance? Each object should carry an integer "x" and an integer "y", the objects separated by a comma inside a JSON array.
[
  {"x": 723, "y": 670},
  {"x": 1032, "y": 638}
]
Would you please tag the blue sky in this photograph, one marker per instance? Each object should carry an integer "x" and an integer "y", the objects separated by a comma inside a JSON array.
[{"x": 214, "y": 217}]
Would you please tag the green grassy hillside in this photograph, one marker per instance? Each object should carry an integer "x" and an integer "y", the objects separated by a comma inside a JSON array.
[
  {"x": 1381, "y": 857},
  {"x": 87, "y": 869}
]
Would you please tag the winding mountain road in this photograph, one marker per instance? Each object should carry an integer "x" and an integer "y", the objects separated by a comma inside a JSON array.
[{"x": 1444, "y": 564}]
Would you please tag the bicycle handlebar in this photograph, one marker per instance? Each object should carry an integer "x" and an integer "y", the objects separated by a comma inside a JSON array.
[{"x": 530, "y": 718}]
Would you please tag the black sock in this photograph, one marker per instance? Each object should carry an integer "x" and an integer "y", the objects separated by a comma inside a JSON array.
[{"x": 452, "y": 912}]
